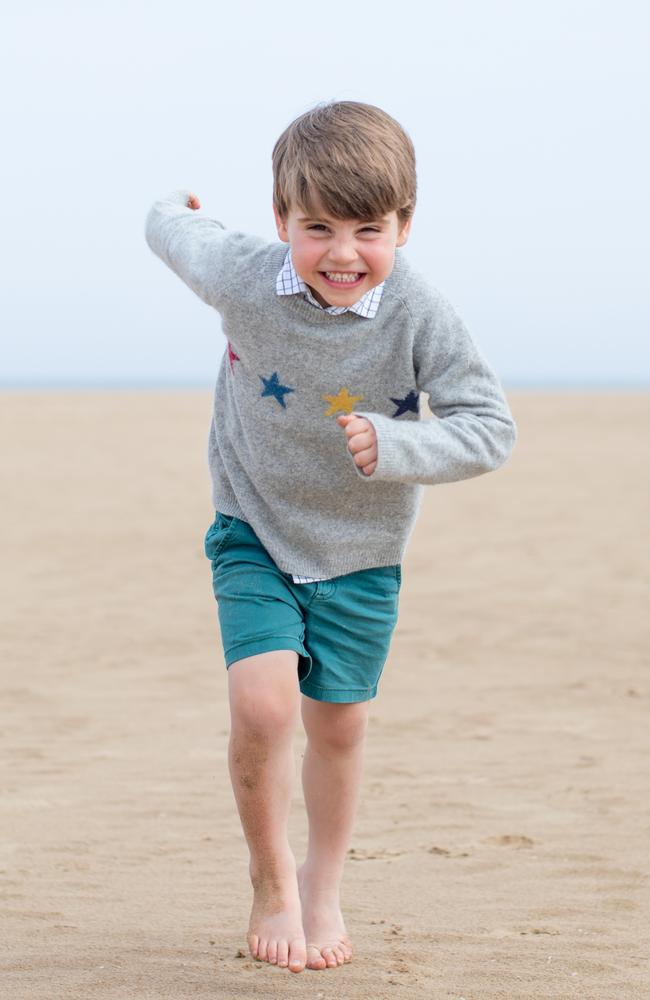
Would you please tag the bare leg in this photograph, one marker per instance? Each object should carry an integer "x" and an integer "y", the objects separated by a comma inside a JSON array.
[
  {"x": 331, "y": 777},
  {"x": 264, "y": 704}
]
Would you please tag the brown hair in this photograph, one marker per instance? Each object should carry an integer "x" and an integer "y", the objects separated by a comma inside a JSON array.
[{"x": 352, "y": 158}]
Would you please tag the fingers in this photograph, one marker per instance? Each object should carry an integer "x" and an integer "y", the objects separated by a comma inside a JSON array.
[
  {"x": 354, "y": 424},
  {"x": 361, "y": 442},
  {"x": 365, "y": 457}
]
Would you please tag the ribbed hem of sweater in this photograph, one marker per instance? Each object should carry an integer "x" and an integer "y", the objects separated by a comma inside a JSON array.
[{"x": 392, "y": 557}]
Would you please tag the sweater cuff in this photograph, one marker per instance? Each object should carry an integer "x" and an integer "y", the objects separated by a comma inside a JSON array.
[{"x": 179, "y": 197}]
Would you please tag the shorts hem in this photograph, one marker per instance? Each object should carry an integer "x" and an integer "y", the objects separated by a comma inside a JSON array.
[
  {"x": 250, "y": 647},
  {"x": 338, "y": 695}
]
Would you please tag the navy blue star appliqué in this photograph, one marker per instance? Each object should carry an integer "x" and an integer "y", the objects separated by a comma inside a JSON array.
[
  {"x": 272, "y": 387},
  {"x": 410, "y": 402}
]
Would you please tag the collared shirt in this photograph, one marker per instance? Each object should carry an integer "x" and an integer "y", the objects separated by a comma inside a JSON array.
[{"x": 289, "y": 282}]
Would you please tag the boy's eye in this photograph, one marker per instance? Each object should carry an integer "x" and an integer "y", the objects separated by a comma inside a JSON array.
[{"x": 366, "y": 229}]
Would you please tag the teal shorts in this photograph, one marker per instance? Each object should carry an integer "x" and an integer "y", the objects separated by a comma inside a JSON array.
[{"x": 340, "y": 628}]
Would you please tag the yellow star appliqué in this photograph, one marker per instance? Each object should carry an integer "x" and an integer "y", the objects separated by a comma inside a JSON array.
[{"x": 342, "y": 401}]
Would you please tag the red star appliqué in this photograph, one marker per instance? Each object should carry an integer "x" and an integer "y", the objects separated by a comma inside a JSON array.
[{"x": 232, "y": 356}]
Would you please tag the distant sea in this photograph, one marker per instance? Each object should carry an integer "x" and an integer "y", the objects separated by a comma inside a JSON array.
[{"x": 107, "y": 384}]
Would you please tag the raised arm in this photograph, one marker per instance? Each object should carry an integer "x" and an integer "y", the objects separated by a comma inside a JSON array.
[
  {"x": 195, "y": 247},
  {"x": 472, "y": 432}
]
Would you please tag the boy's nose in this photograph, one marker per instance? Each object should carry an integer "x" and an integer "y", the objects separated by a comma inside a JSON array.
[{"x": 343, "y": 253}]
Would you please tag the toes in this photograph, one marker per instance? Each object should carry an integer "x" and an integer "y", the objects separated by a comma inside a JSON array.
[
  {"x": 330, "y": 957},
  {"x": 343, "y": 948},
  {"x": 261, "y": 950},
  {"x": 253, "y": 943},
  {"x": 297, "y": 955},
  {"x": 283, "y": 953},
  {"x": 316, "y": 960},
  {"x": 272, "y": 952}
]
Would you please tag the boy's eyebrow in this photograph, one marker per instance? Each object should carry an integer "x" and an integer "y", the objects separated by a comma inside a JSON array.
[{"x": 361, "y": 222}]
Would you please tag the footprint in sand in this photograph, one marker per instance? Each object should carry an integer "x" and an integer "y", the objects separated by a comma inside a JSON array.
[
  {"x": 509, "y": 932},
  {"x": 510, "y": 840},
  {"x": 359, "y": 854},
  {"x": 443, "y": 852}
]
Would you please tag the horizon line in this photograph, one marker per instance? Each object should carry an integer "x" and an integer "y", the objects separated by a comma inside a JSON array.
[{"x": 508, "y": 384}]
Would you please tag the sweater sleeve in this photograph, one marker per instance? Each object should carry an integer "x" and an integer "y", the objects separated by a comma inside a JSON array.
[
  {"x": 196, "y": 248},
  {"x": 472, "y": 430}
]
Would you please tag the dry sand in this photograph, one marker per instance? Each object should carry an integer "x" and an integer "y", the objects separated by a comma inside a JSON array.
[{"x": 502, "y": 844}]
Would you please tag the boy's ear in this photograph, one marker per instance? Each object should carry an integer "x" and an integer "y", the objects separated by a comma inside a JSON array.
[
  {"x": 404, "y": 232},
  {"x": 281, "y": 225}
]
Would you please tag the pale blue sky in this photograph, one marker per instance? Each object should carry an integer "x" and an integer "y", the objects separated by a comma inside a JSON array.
[{"x": 530, "y": 123}]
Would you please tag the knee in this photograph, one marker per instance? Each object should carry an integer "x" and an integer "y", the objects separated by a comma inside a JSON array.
[
  {"x": 264, "y": 694},
  {"x": 337, "y": 728},
  {"x": 263, "y": 714}
]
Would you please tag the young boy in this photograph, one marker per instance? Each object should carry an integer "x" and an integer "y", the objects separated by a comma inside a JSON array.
[{"x": 318, "y": 458}]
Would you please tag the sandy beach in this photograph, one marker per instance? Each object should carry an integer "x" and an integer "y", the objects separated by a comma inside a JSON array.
[{"x": 502, "y": 846}]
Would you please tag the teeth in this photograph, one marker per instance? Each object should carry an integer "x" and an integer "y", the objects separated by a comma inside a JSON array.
[{"x": 342, "y": 277}]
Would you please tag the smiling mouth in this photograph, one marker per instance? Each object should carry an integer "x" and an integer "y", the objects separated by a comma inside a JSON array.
[{"x": 342, "y": 277}]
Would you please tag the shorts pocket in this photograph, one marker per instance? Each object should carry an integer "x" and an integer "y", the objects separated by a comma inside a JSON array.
[
  {"x": 218, "y": 534},
  {"x": 392, "y": 577}
]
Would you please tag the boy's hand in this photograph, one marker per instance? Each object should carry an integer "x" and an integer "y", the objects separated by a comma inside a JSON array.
[
  {"x": 362, "y": 441},
  {"x": 193, "y": 202}
]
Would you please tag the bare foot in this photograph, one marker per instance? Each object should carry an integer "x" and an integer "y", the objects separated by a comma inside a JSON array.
[
  {"x": 328, "y": 945},
  {"x": 275, "y": 932}
]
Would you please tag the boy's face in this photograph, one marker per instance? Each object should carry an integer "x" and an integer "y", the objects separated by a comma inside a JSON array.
[{"x": 341, "y": 260}]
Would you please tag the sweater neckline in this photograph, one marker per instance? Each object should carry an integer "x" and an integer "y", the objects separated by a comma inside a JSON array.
[{"x": 301, "y": 307}]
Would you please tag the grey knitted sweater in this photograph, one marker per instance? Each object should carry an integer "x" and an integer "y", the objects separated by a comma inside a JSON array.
[{"x": 277, "y": 457}]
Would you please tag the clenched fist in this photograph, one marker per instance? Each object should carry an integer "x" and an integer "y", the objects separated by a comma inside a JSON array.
[
  {"x": 362, "y": 441},
  {"x": 193, "y": 202}
]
